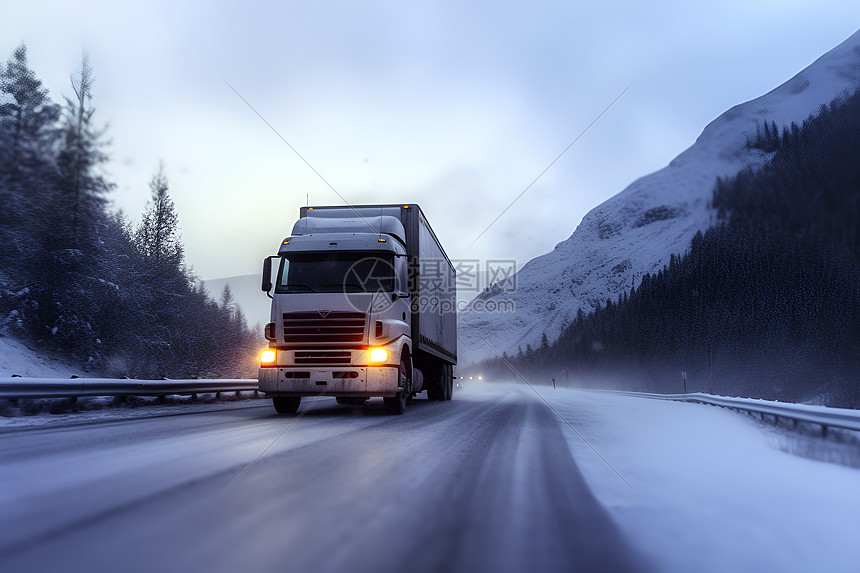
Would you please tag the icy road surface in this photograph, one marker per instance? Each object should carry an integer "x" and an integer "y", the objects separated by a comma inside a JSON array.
[
  {"x": 495, "y": 480},
  {"x": 485, "y": 482}
]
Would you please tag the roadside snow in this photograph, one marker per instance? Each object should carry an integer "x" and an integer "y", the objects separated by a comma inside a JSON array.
[
  {"x": 17, "y": 358},
  {"x": 714, "y": 490},
  {"x": 53, "y": 413}
]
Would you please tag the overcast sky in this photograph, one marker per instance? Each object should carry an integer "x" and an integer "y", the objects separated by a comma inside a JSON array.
[{"x": 455, "y": 105}]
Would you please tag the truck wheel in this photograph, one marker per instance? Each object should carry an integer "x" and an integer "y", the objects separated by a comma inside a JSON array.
[
  {"x": 396, "y": 405},
  {"x": 288, "y": 405},
  {"x": 449, "y": 382},
  {"x": 436, "y": 391},
  {"x": 446, "y": 385}
]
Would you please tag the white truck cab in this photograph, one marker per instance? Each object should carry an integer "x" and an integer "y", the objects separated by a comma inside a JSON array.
[{"x": 364, "y": 305}]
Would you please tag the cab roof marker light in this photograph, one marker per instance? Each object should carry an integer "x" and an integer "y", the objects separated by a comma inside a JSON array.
[{"x": 381, "y": 240}]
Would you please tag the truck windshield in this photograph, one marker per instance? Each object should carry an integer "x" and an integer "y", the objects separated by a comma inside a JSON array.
[{"x": 335, "y": 272}]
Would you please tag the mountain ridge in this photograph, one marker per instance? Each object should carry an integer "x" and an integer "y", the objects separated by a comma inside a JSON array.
[{"x": 637, "y": 230}]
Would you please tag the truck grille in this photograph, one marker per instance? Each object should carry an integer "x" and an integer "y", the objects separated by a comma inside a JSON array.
[
  {"x": 311, "y": 327},
  {"x": 324, "y": 357}
]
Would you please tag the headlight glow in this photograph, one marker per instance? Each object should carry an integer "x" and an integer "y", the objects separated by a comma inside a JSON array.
[
  {"x": 378, "y": 355},
  {"x": 267, "y": 356}
]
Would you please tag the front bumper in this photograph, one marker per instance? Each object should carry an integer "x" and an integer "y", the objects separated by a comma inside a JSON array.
[{"x": 371, "y": 381}]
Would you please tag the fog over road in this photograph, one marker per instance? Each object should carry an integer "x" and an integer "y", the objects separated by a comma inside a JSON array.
[{"x": 485, "y": 482}]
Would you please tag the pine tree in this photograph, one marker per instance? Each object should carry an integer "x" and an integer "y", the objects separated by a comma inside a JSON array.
[
  {"x": 81, "y": 185},
  {"x": 27, "y": 116},
  {"x": 228, "y": 303},
  {"x": 157, "y": 236},
  {"x": 27, "y": 136},
  {"x": 169, "y": 303},
  {"x": 73, "y": 248}
]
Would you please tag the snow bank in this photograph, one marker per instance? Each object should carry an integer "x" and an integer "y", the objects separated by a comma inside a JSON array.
[
  {"x": 17, "y": 358},
  {"x": 714, "y": 490}
]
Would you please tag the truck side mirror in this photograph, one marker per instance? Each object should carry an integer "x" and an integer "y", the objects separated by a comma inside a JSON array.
[{"x": 267, "y": 275}]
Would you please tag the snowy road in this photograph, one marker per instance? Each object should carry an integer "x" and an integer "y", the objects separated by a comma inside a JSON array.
[
  {"x": 496, "y": 480},
  {"x": 486, "y": 482}
]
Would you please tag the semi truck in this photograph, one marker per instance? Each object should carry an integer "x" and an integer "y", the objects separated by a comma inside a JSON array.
[{"x": 363, "y": 306}]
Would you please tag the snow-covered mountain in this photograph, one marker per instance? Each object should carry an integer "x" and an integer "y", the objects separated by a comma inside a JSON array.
[{"x": 636, "y": 231}]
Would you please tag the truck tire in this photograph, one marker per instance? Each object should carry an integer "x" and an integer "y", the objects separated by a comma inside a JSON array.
[
  {"x": 436, "y": 389},
  {"x": 289, "y": 405},
  {"x": 405, "y": 373},
  {"x": 449, "y": 381},
  {"x": 396, "y": 405}
]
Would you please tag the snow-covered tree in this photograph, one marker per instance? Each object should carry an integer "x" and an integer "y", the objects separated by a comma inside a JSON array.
[
  {"x": 228, "y": 302},
  {"x": 73, "y": 246},
  {"x": 81, "y": 184},
  {"x": 109, "y": 294},
  {"x": 157, "y": 236},
  {"x": 27, "y": 135}
]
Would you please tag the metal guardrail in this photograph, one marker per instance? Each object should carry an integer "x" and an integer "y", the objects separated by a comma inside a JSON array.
[
  {"x": 837, "y": 418},
  {"x": 19, "y": 388}
]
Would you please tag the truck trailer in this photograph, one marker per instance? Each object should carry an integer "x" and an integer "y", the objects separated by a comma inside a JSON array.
[{"x": 364, "y": 305}]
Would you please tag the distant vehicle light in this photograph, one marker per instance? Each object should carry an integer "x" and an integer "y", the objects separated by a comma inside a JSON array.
[
  {"x": 470, "y": 377},
  {"x": 480, "y": 377},
  {"x": 378, "y": 355},
  {"x": 267, "y": 357}
]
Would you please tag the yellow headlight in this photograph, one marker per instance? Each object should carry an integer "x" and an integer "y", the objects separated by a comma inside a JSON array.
[
  {"x": 378, "y": 355},
  {"x": 267, "y": 356}
]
